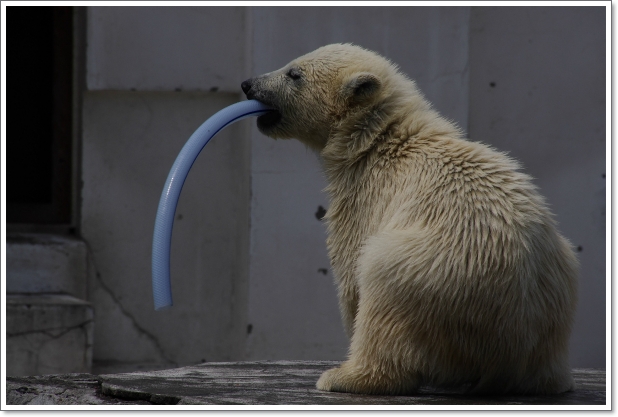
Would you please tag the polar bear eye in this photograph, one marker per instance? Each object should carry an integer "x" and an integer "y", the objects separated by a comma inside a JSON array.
[{"x": 293, "y": 73}]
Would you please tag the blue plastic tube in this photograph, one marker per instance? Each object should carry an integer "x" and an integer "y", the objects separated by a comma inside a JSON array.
[{"x": 162, "y": 240}]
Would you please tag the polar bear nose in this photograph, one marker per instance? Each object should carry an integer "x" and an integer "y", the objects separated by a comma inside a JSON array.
[{"x": 246, "y": 85}]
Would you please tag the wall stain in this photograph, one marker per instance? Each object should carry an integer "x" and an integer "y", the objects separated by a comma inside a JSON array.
[{"x": 320, "y": 213}]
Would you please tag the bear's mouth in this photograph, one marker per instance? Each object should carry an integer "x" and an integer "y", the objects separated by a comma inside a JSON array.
[{"x": 269, "y": 120}]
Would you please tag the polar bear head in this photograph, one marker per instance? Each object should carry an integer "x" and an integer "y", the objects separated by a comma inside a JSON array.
[{"x": 317, "y": 91}]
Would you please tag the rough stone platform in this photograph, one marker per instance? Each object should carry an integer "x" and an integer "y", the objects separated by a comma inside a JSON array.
[{"x": 254, "y": 383}]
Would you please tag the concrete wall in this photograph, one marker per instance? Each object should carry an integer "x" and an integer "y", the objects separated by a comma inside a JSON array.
[
  {"x": 165, "y": 48},
  {"x": 250, "y": 272}
]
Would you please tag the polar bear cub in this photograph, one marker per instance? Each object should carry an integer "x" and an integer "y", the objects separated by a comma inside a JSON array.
[{"x": 449, "y": 267}]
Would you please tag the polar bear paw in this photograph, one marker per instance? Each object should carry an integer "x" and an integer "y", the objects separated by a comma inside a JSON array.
[
  {"x": 328, "y": 380},
  {"x": 345, "y": 379}
]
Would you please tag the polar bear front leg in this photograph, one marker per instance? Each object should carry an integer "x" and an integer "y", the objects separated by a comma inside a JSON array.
[
  {"x": 376, "y": 366},
  {"x": 381, "y": 359},
  {"x": 385, "y": 357}
]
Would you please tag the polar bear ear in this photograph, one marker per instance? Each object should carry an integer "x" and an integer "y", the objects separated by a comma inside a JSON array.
[{"x": 361, "y": 86}]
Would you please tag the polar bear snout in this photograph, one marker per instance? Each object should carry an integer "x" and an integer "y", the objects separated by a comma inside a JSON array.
[
  {"x": 246, "y": 86},
  {"x": 254, "y": 90},
  {"x": 269, "y": 120}
]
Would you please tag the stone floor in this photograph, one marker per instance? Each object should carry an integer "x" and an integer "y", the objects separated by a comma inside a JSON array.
[{"x": 253, "y": 383}]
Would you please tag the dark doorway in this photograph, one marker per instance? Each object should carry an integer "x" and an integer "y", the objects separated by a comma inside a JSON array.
[{"x": 39, "y": 80}]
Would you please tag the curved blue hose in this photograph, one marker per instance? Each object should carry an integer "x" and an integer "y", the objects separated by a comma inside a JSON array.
[{"x": 162, "y": 240}]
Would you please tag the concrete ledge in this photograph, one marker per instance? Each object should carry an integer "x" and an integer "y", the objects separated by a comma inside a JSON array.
[
  {"x": 48, "y": 334},
  {"x": 255, "y": 383},
  {"x": 45, "y": 263}
]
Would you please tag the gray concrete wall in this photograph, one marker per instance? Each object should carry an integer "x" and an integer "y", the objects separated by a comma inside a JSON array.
[
  {"x": 250, "y": 272},
  {"x": 165, "y": 48},
  {"x": 537, "y": 90}
]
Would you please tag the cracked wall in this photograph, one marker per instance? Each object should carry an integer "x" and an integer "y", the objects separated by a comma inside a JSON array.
[{"x": 130, "y": 142}]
